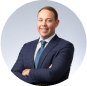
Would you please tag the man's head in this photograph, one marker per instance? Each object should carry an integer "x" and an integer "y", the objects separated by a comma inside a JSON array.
[{"x": 47, "y": 21}]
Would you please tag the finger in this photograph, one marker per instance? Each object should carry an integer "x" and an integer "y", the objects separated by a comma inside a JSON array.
[
  {"x": 50, "y": 66},
  {"x": 24, "y": 73}
]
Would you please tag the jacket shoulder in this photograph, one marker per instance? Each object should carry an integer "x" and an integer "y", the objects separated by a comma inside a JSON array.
[
  {"x": 64, "y": 42},
  {"x": 34, "y": 41},
  {"x": 28, "y": 45}
]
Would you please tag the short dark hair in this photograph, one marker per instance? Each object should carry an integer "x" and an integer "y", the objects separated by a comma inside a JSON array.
[{"x": 51, "y": 9}]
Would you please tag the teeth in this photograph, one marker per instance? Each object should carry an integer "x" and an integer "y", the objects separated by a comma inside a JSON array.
[{"x": 43, "y": 29}]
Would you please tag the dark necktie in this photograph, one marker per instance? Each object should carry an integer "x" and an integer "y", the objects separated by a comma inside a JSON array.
[{"x": 39, "y": 53}]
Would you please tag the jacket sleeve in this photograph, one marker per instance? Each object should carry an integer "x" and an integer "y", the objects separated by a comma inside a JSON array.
[
  {"x": 60, "y": 65},
  {"x": 19, "y": 67}
]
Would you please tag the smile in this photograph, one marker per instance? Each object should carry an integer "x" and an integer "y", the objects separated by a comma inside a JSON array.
[{"x": 44, "y": 29}]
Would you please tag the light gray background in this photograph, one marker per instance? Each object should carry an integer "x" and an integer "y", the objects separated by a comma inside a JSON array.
[{"x": 21, "y": 27}]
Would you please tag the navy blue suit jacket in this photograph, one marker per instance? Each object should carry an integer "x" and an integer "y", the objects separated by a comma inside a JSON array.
[{"x": 58, "y": 52}]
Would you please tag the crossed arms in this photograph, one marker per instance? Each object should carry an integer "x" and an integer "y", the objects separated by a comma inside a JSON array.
[
  {"x": 26, "y": 71},
  {"x": 57, "y": 70}
]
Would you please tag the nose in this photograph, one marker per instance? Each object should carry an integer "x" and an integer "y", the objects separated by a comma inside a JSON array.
[{"x": 44, "y": 23}]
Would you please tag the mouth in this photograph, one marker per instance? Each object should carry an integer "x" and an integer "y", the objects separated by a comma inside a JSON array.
[{"x": 44, "y": 29}]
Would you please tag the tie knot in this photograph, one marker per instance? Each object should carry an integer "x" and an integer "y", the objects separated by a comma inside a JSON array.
[{"x": 43, "y": 43}]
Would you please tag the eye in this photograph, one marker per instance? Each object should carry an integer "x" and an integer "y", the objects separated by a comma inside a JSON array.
[
  {"x": 48, "y": 20},
  {"x": 40, "y": 20}
]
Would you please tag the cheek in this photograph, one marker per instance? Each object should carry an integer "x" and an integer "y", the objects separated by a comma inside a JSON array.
[
  {"x": 51, "y": 26},
  {"x": 38, "y": 25}
]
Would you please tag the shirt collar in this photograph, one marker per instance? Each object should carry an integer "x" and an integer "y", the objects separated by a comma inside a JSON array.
[{"x": 48, "y": 39}]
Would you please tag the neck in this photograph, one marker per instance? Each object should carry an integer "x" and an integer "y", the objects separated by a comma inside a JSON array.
[{"x": 46, "y": 37}]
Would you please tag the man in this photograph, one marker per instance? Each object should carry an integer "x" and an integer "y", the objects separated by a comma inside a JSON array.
[{"x": 46, "y": 60}]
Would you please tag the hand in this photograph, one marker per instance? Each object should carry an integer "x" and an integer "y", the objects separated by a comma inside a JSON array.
[
  {"x": 26, "y": 72},
  {"x": 50, "y": 66}
]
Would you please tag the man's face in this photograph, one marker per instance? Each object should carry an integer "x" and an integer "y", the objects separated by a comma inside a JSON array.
[{"x": 46, "y": 23}]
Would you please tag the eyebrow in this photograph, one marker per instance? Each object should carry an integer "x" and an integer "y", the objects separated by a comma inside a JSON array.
[{"x": 42, "y": 18}]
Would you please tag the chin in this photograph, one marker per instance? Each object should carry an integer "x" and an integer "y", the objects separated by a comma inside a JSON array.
[{"x": 45, "y": 37}]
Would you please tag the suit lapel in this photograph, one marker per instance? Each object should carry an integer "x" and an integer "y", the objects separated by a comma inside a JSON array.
[
  {"x": 49, "y": 47},
  {"x": 31, "y": 54}
]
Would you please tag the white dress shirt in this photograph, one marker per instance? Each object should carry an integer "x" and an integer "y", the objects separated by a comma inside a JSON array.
[{"x": 39, "y": 44}]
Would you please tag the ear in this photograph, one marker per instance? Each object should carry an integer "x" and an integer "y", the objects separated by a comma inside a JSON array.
[{"x": 57, "y": 23}]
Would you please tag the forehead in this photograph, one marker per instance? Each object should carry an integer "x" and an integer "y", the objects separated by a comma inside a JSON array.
[{"x": 45, "y": 13}]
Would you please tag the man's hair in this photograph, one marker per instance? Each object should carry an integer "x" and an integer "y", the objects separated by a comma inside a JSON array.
[{"x": 51, "y": 9}]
